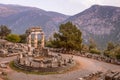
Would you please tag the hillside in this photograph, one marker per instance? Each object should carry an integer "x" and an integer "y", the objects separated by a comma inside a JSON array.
[
  {"x": 19, "y": 18},
  {"x": 102, "y": 23}
]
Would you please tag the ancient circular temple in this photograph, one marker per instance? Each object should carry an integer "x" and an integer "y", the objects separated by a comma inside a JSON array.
[{"x": 39, "y": 58}]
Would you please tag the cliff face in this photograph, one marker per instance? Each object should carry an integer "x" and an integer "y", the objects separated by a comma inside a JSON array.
[
  {"x": 19, "y": 18},
  {"x": 102, "y": 23}
]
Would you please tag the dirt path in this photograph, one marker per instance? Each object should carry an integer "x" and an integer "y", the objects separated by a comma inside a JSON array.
[{"x": 86, "y": 66}]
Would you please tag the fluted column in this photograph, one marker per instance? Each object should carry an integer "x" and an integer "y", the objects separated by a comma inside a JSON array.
[{"x": 35, "y": 40}]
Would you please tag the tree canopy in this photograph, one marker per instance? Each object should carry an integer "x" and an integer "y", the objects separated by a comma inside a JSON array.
[
  {"x": 113, "y": 50},
  {"x": 69, "y": 37},
  {"x": 4, "y": 31},
  {"x": 93, "y": 47},
  {"x": 92, "y": 44},
  {"x": 23, "y": 38}
]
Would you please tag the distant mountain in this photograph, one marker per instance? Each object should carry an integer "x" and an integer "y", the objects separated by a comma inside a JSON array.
[
  {"x": 19, "y": 18},
  {"x": 102, "y": 23}
]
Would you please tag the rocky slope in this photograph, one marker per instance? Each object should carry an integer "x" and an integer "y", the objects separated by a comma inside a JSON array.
[
  {"x": 19, "y": 18},
  {"x": 102, "y": 23}
]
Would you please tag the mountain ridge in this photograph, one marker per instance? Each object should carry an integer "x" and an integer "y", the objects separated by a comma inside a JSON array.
[
  {"x": 102, "y": 23},
  {"x": 19, "y": 18}
]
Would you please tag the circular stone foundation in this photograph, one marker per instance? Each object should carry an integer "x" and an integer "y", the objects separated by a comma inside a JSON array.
[
  {"x": 43, "y": 69},
  {"x": 52, "y": 63}
]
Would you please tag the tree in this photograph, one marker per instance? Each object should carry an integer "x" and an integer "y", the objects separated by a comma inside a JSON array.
[
  {"x": 109, "y": 50},
  {"x": 110, "y": 46},
  {"x": 13, "y": 38},
  {"x": 23, "y": 38},
  {"x": 93, "y": 47},
  {"x": 69, "y": 37},
  {"x": 85, "y": 48},
  {"x": 113, "y": 50},
  {"x": 4, "y": 31},
  {"x": 92, "y": 44},
  {"x": 117, "y": 52}
]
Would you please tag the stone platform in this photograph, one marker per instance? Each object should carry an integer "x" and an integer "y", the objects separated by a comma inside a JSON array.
[{"x": 44, "y": 69}]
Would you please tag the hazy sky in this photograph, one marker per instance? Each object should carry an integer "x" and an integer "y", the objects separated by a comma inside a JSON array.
[{"x": 69, "y": 7}]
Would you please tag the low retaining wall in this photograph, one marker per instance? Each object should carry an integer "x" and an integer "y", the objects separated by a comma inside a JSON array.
[
  {"x": 100, "y": 58},
  {"x": 90, "y": 55}
]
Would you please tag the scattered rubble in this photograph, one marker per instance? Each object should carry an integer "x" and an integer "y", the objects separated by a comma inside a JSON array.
[
  {"x": 109, "y": 75},
  {"x": 11, "y": 49}
]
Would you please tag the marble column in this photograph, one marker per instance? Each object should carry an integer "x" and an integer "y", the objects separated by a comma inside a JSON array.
[
  {"x": 42, "y": 40},
  {"x": 29, "y": 44},
  {"x": 35, "y": 40}
]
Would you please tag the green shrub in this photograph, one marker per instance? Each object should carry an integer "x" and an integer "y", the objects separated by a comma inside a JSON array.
[
  {"x": 13, "y": 38},
  {"x": 49, "y": 44},
  {"x": 95, "y": 51}
]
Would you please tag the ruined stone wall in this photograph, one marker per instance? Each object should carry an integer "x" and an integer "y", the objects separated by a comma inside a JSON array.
[{"x": 43, "y": 69}]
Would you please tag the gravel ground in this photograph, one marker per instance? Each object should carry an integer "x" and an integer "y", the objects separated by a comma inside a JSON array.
[{"x": 85, "y": 67}]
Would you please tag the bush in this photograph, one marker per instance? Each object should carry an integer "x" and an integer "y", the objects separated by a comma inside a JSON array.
[
  {"x": 13, "y": 38},
  {"x": 95, "y": 51},
  {"x": 48, "y": 44}
]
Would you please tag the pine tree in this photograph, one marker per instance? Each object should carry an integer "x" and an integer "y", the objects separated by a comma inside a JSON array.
[
  {"x": 69, "y": 37},
  {"x": 4, "y": 31}
]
